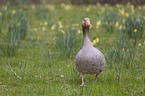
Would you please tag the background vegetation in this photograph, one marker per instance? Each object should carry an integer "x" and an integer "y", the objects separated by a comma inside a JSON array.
[
  {"x": 111, "y": 2},
  {"x": 38, "y": 45}
]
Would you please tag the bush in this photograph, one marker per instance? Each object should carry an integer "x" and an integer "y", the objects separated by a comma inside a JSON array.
[
  {"x": 68, "y": 42},
  {"x": 14, "y": 31},
  {"x": 133, "y": 27},
  {"x": 121, "y": 56}
]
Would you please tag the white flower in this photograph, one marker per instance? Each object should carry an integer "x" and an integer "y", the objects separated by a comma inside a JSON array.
[{"x": 62, "y": 76}]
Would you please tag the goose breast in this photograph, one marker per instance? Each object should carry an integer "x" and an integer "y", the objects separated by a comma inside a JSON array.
[{"x": 90, "y": 61}]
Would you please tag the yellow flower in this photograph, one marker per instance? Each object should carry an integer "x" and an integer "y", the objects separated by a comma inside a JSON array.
[
  {"x": 91, "y": 26},
  {"x": 126, "y": 15},
  {"x": 117, "y": 5},
  {"x": 98, "y": 23},
  {"x": 87, "y": 9},
  {"x": 135, "y": 30},
  {"x": 79, "y": 31},
  {"x": 144, "y": 42},
  {"x": 53, "y": 27},
  {"x": 51, "y": 7},
  {"x": 76, "y": 25},
  {"x": 43, "y": 28},
  {"x": 120, "y": 27},
  {"x": 62, "y": 4},
  {"x": 35, "y": 29},
  {"x": 4, "y": 7},
  {"x": 132, "y": 8},
  {"x": 68, "y": 7},
  {"x": 33, "y": 7},
  {"x": 98, "y": 4},
  {"x": 139, "y": 7},
  {"x": 45, "y": 23},
  {"x": 122, "y": 13},
  {"x": 59, "y": 22},
  {"x": 106, "y": 5},
  {"x": 19, "y": 24},
  {"x": 13, "y": 12},
  {"x": 94, "y": 42},
  {"x": 117, "y": 24},
  {"x": 139, "y": 44},
  {"x": 0, "y": 14},
  {"x": 73, "y": 28},
  {"x": 97, "y": 40},
  {"x": 123, "y": 21},
  {"x": 123, "y": 49},
  {"x": 62, "y": 32},
  {"x": 60, "y": 25}
]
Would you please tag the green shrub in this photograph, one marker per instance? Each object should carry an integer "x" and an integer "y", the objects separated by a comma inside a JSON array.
[
  {"x": 133, "y": 27},
  {"x": 68, "y": 42},
  {"x": 122, "y": 55},
  {"x": 14, "y": 30},
  {"x": 109, "y": 19}
]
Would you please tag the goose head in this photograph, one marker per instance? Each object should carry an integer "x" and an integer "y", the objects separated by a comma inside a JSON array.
[{"x": 86, "y": 23}]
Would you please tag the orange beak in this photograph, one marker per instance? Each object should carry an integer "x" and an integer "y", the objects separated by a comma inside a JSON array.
[{"x": 88, "y": 23}]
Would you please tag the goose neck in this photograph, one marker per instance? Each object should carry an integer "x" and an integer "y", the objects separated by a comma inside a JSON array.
[{"x": 87, "y": 42}]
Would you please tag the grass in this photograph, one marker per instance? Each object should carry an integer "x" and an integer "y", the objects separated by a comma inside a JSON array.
[{"x": 39, "y": 66}]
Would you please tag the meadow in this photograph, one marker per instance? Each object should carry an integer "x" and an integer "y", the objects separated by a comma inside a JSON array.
[{"x": 38, "y": 45}]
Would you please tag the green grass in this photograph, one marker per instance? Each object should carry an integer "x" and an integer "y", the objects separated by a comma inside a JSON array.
[{"x": 31, "y": 71}]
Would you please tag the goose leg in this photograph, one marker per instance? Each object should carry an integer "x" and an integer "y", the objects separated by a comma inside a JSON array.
[
  {"x": 82, "y": 80},
  {"x": 96, "y": 77}
]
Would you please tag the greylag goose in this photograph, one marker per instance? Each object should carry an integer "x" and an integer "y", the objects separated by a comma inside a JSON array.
[{"x": 89, "y": 60}]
